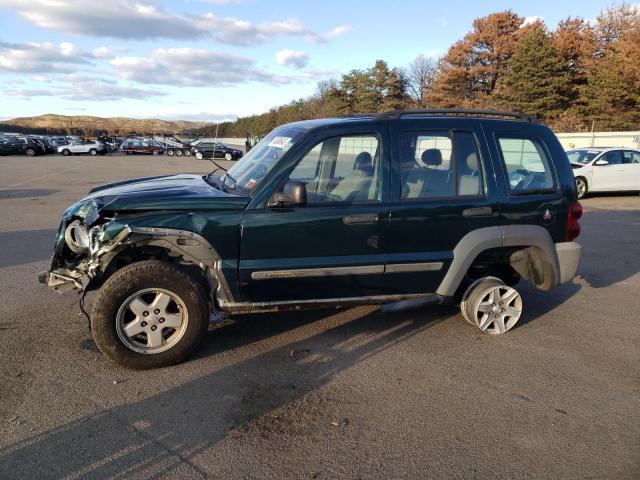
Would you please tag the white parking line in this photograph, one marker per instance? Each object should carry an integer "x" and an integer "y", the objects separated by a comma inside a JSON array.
[{"x": 40, "y": 178}]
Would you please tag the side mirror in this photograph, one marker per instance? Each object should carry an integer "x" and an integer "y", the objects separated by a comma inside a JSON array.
[
  {"x": 294, "y": 194},
  {"x": 602, "y": 162}
]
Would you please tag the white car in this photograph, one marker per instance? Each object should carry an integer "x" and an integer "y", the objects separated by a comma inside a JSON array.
[
  {"x": 600, "y": 169},
  {"x": 78, "y": 147}
]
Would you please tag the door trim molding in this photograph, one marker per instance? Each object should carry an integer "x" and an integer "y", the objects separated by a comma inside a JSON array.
[
  {"x": 318, "y": 272},
  {"x": 414, "y": 267}
]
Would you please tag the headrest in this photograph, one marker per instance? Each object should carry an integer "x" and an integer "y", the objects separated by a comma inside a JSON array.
[
  {"x": 472, "y": 162},
  {"x": 363, "y": 162},
  {"x": 432, "y": 157}
]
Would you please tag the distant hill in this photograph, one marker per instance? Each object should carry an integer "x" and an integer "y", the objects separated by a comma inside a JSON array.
[{"x": 87, "y": 125}]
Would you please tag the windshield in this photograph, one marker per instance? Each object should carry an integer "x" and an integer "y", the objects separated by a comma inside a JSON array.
[
  {"x": 582, "y": 156},
  {"x": 247, "y": 174}
]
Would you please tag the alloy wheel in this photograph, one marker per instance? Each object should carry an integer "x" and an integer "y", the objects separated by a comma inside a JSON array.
[
  {"x": 497, "y": 309},
  {"x": 151, "y": 321}
]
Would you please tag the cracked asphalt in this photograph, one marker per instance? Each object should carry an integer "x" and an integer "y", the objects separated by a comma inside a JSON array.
[{"x": 323, "y": 394}]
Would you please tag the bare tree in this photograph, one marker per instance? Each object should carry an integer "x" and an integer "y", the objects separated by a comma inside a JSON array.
[{"x": 420, "y": 75}]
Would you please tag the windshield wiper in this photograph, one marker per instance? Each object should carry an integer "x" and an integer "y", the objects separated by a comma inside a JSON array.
[{"x": 233, "y": 180}]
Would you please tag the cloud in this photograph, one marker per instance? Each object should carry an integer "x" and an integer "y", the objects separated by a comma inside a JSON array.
[
  {"x": 193, "y": 67},
  {"x": 531, "y": 19},
  {"x": 144, "y": 19},
  {"x": 80, "y": 88},
  {"x": 107, "y": 52},
  {"x": 41, "y": 57},
  {"x": 340, "y": 30},
  {"x": 235, "y": 31},
  {"x": 292, "y": 58}
]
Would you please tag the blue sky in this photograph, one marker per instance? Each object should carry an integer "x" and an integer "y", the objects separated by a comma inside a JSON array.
[{"x": 216, "y": 59}]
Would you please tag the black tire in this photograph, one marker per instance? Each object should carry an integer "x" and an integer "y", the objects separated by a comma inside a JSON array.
[
  {"x": 66, "y": 152},
  {"x": 473, "y": 290},
  {"x": 134, "y": 278},
  {"x": 582, "y": 187},
  {"x": 30, "y": 152},
  {"x": 93, "y": 152}
]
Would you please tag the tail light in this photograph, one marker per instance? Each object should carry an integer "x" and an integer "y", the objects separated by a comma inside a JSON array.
[{"x": 573, "y": 226}]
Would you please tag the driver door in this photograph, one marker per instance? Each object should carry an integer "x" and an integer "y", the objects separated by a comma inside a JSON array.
[
  {"x": 333, "y": 246},
  {"x": 610, "y": 175}
]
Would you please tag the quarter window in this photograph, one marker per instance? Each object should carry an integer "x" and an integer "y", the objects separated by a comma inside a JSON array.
[
  {"x": 341, "y": 169},
  {"x": 439, "y": 164},
  {"x": 528, "y": 168}
]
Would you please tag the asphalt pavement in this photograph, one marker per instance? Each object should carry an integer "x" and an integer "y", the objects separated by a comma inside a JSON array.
[{"x": 322, "y": 394}]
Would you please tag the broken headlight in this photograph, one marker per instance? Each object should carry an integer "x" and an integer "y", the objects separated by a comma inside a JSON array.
[{"x": 76, "y": 236}]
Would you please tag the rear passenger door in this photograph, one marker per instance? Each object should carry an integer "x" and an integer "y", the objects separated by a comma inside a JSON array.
[{"x": 442, "y": 189}]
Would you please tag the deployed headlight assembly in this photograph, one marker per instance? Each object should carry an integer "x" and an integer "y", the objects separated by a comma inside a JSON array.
[{"x": 77, "y": 237}]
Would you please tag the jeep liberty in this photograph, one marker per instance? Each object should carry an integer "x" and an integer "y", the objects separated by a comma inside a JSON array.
[{"x": 400, "y": 209}]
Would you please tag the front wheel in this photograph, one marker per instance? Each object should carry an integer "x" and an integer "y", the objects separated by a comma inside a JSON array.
[
  {"x": 149, "y": 314},
  {"x": 582, "y": 186},
  {"x": 93, "y": 152},
  {"x": 199, "y": 155},
  {"x": 30, "y": 151}
]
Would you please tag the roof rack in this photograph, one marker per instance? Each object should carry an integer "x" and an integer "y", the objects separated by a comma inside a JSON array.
[{"x": 456, "y": 112}]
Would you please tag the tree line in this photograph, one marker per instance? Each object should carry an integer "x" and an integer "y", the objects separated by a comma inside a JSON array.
[{"x": 578, "y": 76}]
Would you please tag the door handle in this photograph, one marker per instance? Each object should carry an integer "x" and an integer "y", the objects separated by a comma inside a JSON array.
[
  {"x": 361, "y": 219},
  {"x": 477, "y": 212}
]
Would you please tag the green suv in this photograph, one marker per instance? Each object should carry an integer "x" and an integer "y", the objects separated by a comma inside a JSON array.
[{"x": 402, "y": 209}]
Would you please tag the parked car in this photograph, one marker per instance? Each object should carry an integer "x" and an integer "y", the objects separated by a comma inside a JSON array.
[
  {"x": 17, "y": 146},
  {"x": 206, "y": 149},
  {"x": 401, "y": 209},
  {"x": 605, "y": 169},
  {"x": 33, "y": 143},
  {"x": 136, "y": 146},
  {"x": 90, "y": 147}
]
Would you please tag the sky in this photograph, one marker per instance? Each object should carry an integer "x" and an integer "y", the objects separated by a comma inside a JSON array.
[{"x": 214, "y": 60}]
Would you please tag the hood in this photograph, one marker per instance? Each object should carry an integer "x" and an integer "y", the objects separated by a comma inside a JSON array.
[{"x": 172, "y": 192}]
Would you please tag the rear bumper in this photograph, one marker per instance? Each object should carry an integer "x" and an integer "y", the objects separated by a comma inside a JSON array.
[{"x": 569, "y": 254}]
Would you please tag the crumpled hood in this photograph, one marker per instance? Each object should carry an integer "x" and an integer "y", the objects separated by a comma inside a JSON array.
[{"x": 172, "y": 192}]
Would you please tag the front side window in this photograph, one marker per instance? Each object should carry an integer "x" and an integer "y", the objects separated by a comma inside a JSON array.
[
  {"x": 528, "y": 168},
  {"x": 612, "y": 157},
  {"x": 439, "y": 164},
  {"x": 341, "y": 169}
]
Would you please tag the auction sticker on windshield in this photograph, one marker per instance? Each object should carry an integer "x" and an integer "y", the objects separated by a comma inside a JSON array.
[{"x": 279, "y": 142}]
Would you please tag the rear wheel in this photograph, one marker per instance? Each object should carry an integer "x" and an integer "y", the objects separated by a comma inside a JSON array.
[
  {"x": 30, "y": 151},
  {"x": 582, "y": 186},
  {"x": 170, "y": 153},
  {"x": 492, "y": 306},
  {"x": 187, "y": 153},
  {"x": 93, "y": 152},
  {"x": 179, "y": 153},
  {"x": 66, "y": 152},
  {"x": 149, "y": 314}
]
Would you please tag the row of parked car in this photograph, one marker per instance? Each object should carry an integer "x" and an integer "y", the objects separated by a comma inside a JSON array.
[{"x": 41, "y": 145}]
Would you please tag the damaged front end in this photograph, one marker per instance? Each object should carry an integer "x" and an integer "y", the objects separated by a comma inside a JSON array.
[{"x": 81, "y": 243}]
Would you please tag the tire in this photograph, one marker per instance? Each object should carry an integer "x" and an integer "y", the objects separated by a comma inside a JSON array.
[
  {"x": 582, "y": 187},
  {"x": 228, "y": 157},
  {"x": 179, "y": 153},
  {"x": 93, "y": 152},
  {"x": 30, "y": 152},
  {"x": 66, "y": 152},
  {"x": 170, "y": 153},
  {"x": 492, "y": 306},
  {"x": 155, "y": 153},
  {"x": 140, "y": 285},
  {"x": 199, "y": 155},
  {"x": 187, "y": 153}
]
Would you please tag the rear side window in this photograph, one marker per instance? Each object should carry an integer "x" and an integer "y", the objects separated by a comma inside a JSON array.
[
  {"x": 439, "y": 164},
  {"x": 528, "y": 167}
]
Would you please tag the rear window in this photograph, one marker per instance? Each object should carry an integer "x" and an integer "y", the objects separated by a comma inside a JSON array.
[{"x": 527, "y": 164}]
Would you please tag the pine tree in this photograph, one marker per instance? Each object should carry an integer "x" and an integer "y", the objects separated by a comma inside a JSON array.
[{"x": 538, "y": 81}]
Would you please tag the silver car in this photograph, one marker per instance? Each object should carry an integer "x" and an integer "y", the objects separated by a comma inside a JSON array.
[
  {"x": 80, "y": 147},
  {"x": 605, "y": 169}
]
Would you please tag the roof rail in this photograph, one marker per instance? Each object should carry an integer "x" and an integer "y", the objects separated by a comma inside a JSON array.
[{"x": 456, "y": 111}]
